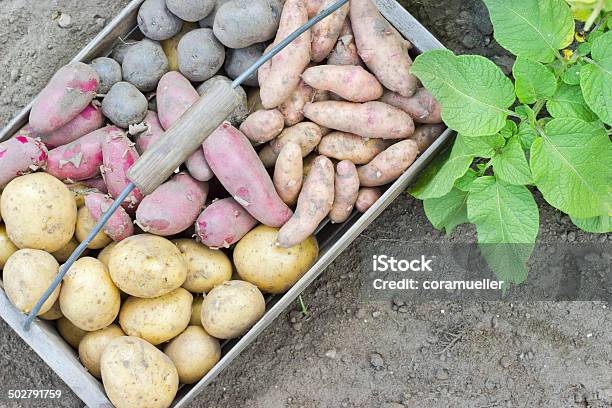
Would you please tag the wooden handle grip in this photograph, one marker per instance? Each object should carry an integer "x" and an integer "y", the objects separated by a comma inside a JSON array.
[{"x": 186, "y": 135}]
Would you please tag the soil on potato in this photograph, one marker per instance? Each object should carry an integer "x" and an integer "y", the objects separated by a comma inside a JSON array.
[{"x": 349, "y": 353}]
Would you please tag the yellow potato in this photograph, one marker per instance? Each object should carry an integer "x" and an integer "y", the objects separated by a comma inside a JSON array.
[
  {"x": 104, "y": 254},
  {"x": 159, "y": 319},
  {"x": 89, "y": 298},
  {"x": 206, "y": 268},
  {"x": 7, "y": 248},
  {"x": 232, "y": 308},
  {"x": 85, "y": 223},
  {"x": 39, "y": 212},
  {"x": 62, "y": 254},
  {"x": 196, "y": 311},
  {"x": 79, "y": 191},
  {"x": 169, "y": 46},
  {"x": 193, "y": 352},
  {"x": 271, "y": 268},
  {"x": 93, "y": 344},
  {"x": 147, "y": 266},
  {"x": 72, "y": 334},
  {"x": 54, "y": 313},
  {"x": 136, "y": 374},
  {"x": 27, "y": 274}
]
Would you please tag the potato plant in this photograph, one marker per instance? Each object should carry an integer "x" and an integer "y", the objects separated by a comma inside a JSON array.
[{"x": 555, "y": 138}]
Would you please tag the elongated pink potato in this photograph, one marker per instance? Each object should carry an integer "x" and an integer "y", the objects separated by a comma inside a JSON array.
[
  {"x": 347, "y": 146},
  {"x": 366, "y": 198},
  {"x": 388, "y": 165},
  {"x": 81, "y": 159},
  {"x": 293, "y": 108},
  {"x": 232, "y": 158},
  {"x": 346, "y": 188},
  {"x": 264, "y": 71},
  {"x": 288, "y": 173},
  {"x": 175, "y": 95},
  {"x": 287, "y": 66},
  {"x": 345, "y": 50},
  {"x": 382, "y": 48},
  {"x": 20, "y": 155},
  {"x": 85, "y": 122},
  {"x": 119, "y": 225},
  {"x": 326, "y": 32},
  {"x": 422, "y": 106},
  {"x": 425, "y": 135},
  {"x": 153, "y": 132},
  {"x": 97, "y": 183},
  {"x": 118, "y": 155},
  {"x": 68, "y": 92},
  {"x": 350, "y": 82},
  {"x": 198, "y": 166},
  {"x": 173, "y": 206},
  {"x": 313, "y": 7},
  {"x": 306, "y": 134},
  {"x": 313, "y": 205},
  {"x": 223, "y": 223},
  {"x": 263, "y": 125},
  {"x": 370, "y": 119}
]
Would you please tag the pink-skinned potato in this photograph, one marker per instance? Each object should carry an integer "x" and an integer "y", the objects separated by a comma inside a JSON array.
[
  {"x": 347, "y": 146},
  {"x": 313, "y": 7},
  {"x": 198, "y": 167},
  {"x": 382, "y": 48},
  {"x": 81, "y": 159},
  {"x": 20, "y": 155},
  {"x": 425, "y": 135},
  {"x": 366, "y": 198},
  {"x": 119, "y": 225},
  {"x": 287, "y": 66},
  {"x": 68, "y": 92},
  {"x": 422, "y": 106},
  {"x": 263, "y": 125},
  {"x": 306, "y": 134},
  {"x": 326, "y": 32},
  {"x": 388, "y": 165},
  {"x": 350, "y": 82},
  {"x": 293, "y": 108},
  {"x": 88, "y": 120},
  {"x": 175, "y": 95},
  {"x": 234, "y": 161},
  {"x": 97, "y": 183},
  {"x": 313, "y": 204},
  {"x": 153, "y": 132},
  {"x": 173, "y": 206},
  {"x": 223, "y": 223},
  {"x": 118, "y": 155},
  {"x": 346, "y": 188},
  {"x": 288, "y": 173},
  {"x": 345, "y": 50},
  {"x": 373, "y": 119}
]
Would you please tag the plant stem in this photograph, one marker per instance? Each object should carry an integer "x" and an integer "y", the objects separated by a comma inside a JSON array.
[
  {"x": 594, "y": 15},
  {"x": 303, "y": 307},
  {"x": 538, "y": 107}
]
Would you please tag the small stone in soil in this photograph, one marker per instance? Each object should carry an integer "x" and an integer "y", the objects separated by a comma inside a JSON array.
[
  {"x": 64, "y": 20},
  {"x": 331, "y": 354},
  {"x": 376, "y": 360}
]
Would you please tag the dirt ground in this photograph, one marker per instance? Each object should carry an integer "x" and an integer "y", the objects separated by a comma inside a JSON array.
[{"x": 348, "y": 352}]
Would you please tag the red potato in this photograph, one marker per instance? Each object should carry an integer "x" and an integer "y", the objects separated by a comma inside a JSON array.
[
  {"x": 97, "y": 183},
  {"x": 119, "y": 225},
  {"x": 81, "y": 159},
  {"x": 263, "y": 125},
  {"x": 264, "y": 71},
  {"x": 287, "y": 66},
  {"x": 350, "y": 82},
  {"x": 153, "y": 132},
  {"x": 198, "y": 166},
  {"x": 288, "y": 173},
  {"x": 388, "y": 165},
  {"x": 68, "y": 92},
  {"x": 326, "y": 32},
  {"x": 425, "y": 135},
  {"x": 346, "y": 189},
  {"x": 118, "y": 155},
  {"x": 223, "y": 223},
  {"x": 85, "y": 122},
  {"x": 306, "y": 134},
  {"x": 313, "y": 7},
  {"x": 345, "y": 50},
  {"x": 175, "y": 95},
  {"x": 422, "y": 106},
  {"x": 235, "y": 163},
  {"x": 293, "y": 108},
  {"x": 366, "y": 198},
  {"x": 20, "y": 155},
  {"x": 347, "y": 146},
  {"x": 173, "y": 206},
  {"x": 370, "y": 119},
  {"x": 313, "y": 204},
  {"x": 382, "y": 48}
]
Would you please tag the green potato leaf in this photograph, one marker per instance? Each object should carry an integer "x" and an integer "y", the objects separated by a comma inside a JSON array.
[
  {"x": 526, "y": 135},
  {"x": 509, "y": 129},
  {"x": 572, "y": 75},
  {"x": 474, "y": 92},
  {"x": 448, "y": 211},
  {"x": 533, "y": 80},
  {"x": 464, "y": 182},
  {"x": 568, "y": 102},
  {"x": 596, "y": 78},
  {"x": 483, "y": 146},
  {"x": 534, "y": 29},
  {"x": 598, "y": 225},
  {"x": 571, "y": 165},
  {"x": 510, "y": 164}
]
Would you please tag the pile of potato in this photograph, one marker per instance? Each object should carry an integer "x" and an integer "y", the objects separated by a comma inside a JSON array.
[{"x": 322, "y": 127}]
